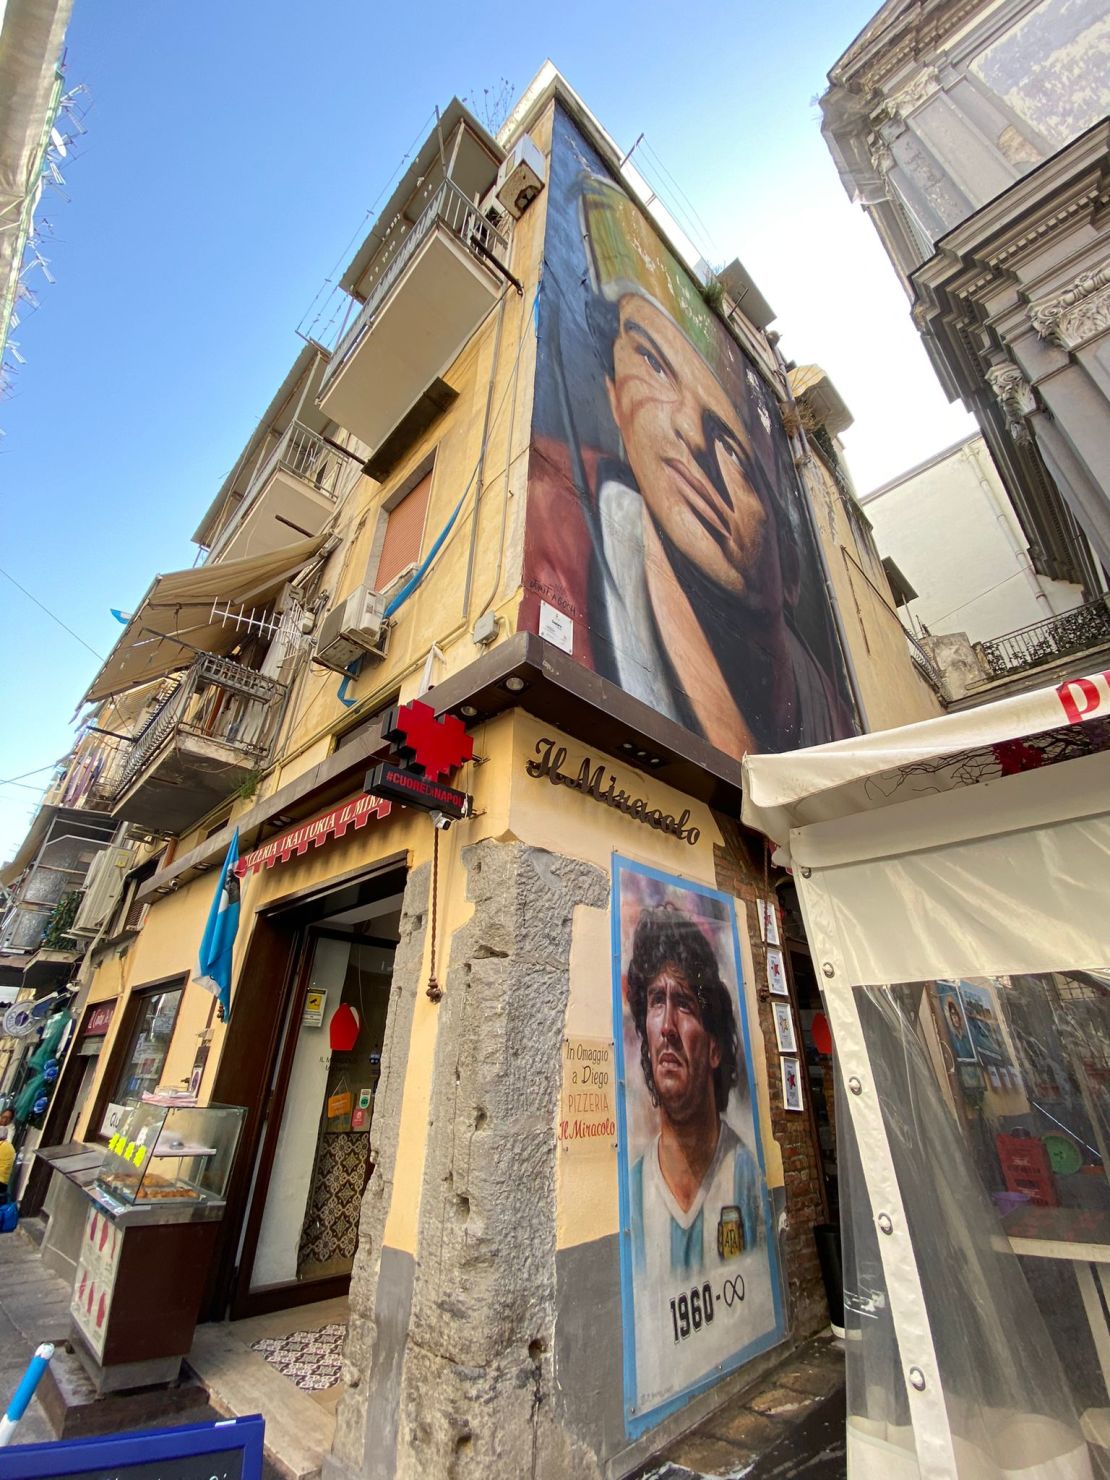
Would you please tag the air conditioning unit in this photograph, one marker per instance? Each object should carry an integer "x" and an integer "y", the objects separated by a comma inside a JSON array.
[
  {"x": 492, "y": 209},
  {"x": 356, "y": 628},
  {"x": 103, "y": 887},
  {"x": 521, "y": 177}
]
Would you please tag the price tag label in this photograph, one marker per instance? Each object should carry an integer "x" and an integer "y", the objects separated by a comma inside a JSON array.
[
  {"x": 129, "y": 1151},
  {"x": 140, "y": 1155}
]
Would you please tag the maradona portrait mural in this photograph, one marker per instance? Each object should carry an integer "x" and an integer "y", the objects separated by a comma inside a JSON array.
[
  {"x": 667, "y": 544},
  {"x": 699, "y": 1270}
]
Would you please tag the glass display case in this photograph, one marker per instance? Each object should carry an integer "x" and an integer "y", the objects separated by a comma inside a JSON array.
[{"x": 172, "y": 1155}]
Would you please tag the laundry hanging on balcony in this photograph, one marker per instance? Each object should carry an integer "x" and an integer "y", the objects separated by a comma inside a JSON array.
[{"x": 174, "y": 621}]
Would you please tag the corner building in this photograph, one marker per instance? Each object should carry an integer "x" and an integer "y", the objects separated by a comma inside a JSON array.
[{"x": 551, "y": 485}]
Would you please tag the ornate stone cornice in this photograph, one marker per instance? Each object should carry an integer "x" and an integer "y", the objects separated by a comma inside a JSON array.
[
  {"x": 1014, "y": 394},
  {"x": 923, "y": 86},
  {"x": 1079, "y": 311}
]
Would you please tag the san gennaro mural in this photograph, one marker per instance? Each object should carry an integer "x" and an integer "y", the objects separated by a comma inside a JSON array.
[{"x": 667, "y": 545}]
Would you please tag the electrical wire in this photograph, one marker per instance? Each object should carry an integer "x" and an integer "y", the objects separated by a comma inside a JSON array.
[
  {"x": 359, "y": 229},
  {"x": 52, "y": 615},
  {"x": 665, "y": 172},
  {"x": 11, "y": 780}
]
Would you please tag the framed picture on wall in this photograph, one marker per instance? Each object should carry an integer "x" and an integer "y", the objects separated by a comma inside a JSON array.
[
  {"x": 769, "y": 922},
  {"x": 791, "y": 1084},
  {"x": 784, "y": 1027},
  {"x": 776, "y": 972}
]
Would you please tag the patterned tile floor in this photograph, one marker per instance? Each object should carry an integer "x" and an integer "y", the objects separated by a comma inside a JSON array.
[{"x": 311, "y": 1359}]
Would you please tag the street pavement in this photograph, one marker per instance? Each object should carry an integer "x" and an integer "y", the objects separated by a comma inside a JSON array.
[{"x": 791, "y": 1424}]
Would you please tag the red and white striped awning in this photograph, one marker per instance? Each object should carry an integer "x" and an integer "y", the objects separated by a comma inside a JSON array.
[{"x": 355, "y": 812}]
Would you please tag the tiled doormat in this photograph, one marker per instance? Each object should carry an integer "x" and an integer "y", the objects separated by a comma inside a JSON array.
[{"x": 311, "y": 1359}]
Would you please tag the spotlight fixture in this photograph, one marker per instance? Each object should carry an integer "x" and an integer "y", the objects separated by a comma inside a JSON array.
[
  {"x": 514, "y": 684},
  {"x": 636, "y": 752},
  {"x": 468, "y": 711}
]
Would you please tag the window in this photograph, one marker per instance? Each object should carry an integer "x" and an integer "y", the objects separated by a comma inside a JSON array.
[
  {"x": 141, "y": 1069},
  {"x": 404, "y": 532}
]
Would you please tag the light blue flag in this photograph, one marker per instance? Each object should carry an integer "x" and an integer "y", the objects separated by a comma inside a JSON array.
[{"x": 214, "y": 968}]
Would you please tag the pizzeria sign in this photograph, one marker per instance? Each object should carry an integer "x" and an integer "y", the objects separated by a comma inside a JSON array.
[{"x": 355, "y": 812}]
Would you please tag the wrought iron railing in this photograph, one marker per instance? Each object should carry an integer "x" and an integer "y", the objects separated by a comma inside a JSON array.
[
  {"x": 310, "y": 458},
  {"x": 448, "y": 207},
  {"x": 1044, "y": 642},
  {"x": 217, "y": 699},
  {"x": 925, "y": 664}
]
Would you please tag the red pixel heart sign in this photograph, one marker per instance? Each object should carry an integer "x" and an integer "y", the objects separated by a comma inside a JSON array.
[{"x": 434, "y": 747}]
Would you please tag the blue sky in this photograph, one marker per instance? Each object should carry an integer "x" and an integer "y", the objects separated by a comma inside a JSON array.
[{"x": 231, "y": 153}]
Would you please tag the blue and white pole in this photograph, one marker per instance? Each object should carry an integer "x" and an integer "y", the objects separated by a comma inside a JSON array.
[{"x": 25, "y": 1391}]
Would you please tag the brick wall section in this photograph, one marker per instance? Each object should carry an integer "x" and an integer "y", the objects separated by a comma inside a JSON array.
[{"x": 742, "y": 872}]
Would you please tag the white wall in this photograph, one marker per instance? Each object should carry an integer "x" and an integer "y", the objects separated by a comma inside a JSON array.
[{"x": 951, "y": 530}]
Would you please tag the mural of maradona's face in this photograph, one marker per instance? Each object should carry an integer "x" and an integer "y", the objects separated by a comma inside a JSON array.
[{"x": 688, "y": 451}]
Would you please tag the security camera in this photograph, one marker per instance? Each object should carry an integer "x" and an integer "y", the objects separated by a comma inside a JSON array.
[{"x": 441, "y": 820}]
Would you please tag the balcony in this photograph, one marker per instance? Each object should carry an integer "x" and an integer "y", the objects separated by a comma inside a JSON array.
[
  {"x": 292, "y": 496},
  {"x": 206, "y": 740},
  {"x": 427, "y": 290},
  {"x": 1047, "y": 642}
]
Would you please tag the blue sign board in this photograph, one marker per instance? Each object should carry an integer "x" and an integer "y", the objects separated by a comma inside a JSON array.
[{"x": 205, "y": 1451}]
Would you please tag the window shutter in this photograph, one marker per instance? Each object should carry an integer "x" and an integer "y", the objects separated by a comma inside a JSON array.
[{"x": 404, "y": 532}]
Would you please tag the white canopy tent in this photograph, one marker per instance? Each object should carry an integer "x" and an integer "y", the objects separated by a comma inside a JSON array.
[{"x": 953, "y": 877}]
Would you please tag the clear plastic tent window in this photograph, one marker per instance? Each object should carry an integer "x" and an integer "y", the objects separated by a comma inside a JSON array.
[{"x": 954, "y": 883}]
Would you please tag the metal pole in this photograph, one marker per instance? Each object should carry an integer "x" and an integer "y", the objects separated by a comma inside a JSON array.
[{"x": 25, "y": 1391}]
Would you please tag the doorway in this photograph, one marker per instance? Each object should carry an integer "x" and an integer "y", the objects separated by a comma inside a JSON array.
[{"x": 313, "y": 1164}]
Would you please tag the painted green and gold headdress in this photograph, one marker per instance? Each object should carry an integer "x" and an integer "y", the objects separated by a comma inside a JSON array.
[{"x": 625, "y": 255}]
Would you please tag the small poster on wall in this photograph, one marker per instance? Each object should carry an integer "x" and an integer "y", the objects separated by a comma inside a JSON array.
[
  {"x": 699, "y": 1268},
  {"x": 955, "y": 1022},
  {"x": 776, "y": 972},
  {"x": 784, "y": 1027},
  {"x": 982, "y": 1022},
  {"x": 315, "y": 1002},
  {"x": 769, "y": 922},
  {"x": 791, "y": 1085}
]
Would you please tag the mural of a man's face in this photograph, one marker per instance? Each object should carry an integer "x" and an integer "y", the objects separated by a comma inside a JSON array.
[
  {"x": 954, "y": 1016},
  {"x": 688, "y": 452},
  {"x": 683, "y": 1054}
]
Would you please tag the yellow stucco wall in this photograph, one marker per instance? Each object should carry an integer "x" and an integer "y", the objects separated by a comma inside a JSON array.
[
  {"x": 496, "y": 370},
  {"x": 891, "y": 689},
  {"x": 570, "y": 823}
]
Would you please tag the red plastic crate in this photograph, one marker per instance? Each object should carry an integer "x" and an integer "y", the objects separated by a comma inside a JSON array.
[{"x": 1026, "y": 1168}]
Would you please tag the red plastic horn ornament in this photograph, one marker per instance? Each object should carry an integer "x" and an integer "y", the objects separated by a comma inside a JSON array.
[
  {"x": 344, "y": 1028},
  {"x": 821, "y": 1034}
]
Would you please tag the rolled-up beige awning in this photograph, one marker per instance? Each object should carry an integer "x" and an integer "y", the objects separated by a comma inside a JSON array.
[{"x": 174, "y": 619}]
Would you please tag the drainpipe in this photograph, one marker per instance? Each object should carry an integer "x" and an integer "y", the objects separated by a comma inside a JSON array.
[{"x": 1017, "y": 549}]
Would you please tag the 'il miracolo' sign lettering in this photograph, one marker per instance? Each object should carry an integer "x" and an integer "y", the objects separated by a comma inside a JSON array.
[{"x": 601, "y": 786}]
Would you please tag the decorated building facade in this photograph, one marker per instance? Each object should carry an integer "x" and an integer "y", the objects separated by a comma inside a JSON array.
[{"x": 505, "y": 585}]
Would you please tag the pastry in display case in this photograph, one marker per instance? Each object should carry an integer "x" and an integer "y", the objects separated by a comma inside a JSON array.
[{"x": 172, "y": 1155}]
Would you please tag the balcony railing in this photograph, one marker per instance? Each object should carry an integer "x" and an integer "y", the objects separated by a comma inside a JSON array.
[
  {"x": 925, "y": 664},
  {"x": 217, "y": 699},
  {"x": 448, "y": 207},
  {"x": 1045, "y": 642},
  {"x": 309, "y": 457}
]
